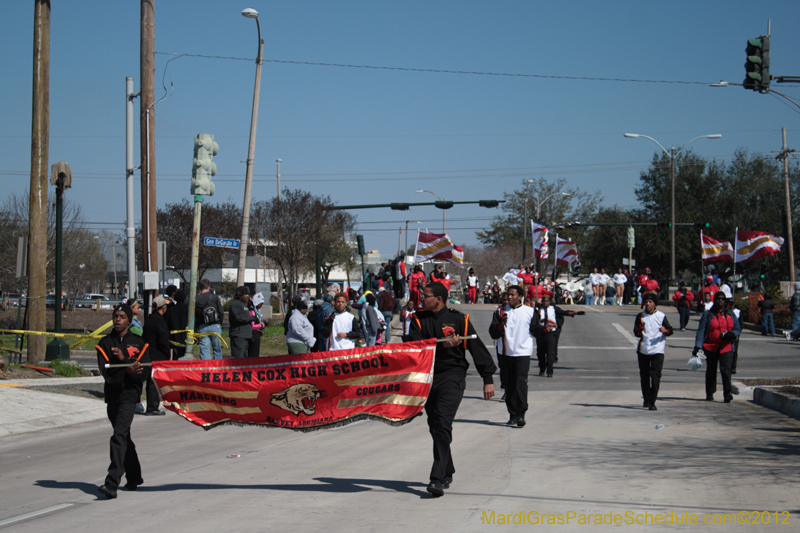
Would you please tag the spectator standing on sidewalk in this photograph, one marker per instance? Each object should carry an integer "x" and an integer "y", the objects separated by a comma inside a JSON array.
[
  {"x": 767, "y": 320},
  {"x": 386, "y": 308},
  {"x": 794, "y": 306},
  {"x": 208, "y": 312},
  {"x": 241, "y": 329},
  {"x": 177, "y": 320},
  {"x": 652, "y": 328}
]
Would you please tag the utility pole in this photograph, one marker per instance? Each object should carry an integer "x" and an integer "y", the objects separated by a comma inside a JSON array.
[
  {"x": 133, "y": 280},
  {"x": 785, "y": 156},
  {"x": 37, "y": 219},
  {"x": 147, "y": 127}
]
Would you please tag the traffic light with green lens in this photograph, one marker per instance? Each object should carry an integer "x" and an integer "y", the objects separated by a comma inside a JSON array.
[
  {"x": 361, "y": 249},
  {"x": 664, "y": 224},
  {"x": 702, "y": 224},
  {"x": 757, "y": 64},
  {"x": 763, "y": 273}
]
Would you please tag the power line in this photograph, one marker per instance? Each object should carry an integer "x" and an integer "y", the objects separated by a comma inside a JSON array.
[{"x": 440, "y": 71}]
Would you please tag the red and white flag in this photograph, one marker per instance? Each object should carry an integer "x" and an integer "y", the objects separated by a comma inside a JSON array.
[
  {"x": 754, "y": 244},
  {"x": 714, "y": 250},
  {"x": 540, "y": 240},
  {"x": 437, "y": 246},
  {"x": 566, "y": 252}
]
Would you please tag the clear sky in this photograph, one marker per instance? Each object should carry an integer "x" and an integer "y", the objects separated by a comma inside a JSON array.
[{"x": 376, "y": 135}]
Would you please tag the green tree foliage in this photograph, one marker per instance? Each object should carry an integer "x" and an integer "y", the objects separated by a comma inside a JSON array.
[{"x": 507, "y": 228}]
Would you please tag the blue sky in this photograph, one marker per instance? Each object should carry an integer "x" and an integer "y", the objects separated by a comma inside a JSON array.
[{"x": 375, "y": 136}]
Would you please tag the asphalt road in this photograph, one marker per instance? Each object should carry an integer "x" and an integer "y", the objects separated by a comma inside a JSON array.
[{"x": 588, "y": 449}]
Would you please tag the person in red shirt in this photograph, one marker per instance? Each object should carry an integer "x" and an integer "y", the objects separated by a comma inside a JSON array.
[
  {"x": 527, "y": 277},
  {"x": 708, "y": 286},
  {"x": 718, "y": 330},
  {"x": 683, "y": 302},
  {"x": 535, "y": 292},
  {"x": 416, "y": 281}
]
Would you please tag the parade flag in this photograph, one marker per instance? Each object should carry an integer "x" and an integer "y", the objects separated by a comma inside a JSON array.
[
  {"x": 304, "y": 392},
  {"x": 437, "y": 246},
  {"x": 540, "y": 240},
  {"x": 714, "y": 250},
  {"x": 754, "y": 244},
  {"x": 566, "y": 252}
]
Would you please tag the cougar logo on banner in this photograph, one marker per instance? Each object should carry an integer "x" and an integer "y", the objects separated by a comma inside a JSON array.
[{"x": 300, "y": 398}]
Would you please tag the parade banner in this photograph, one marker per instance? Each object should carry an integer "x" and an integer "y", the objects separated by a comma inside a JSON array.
[
  {"x": 715, "y": 250},
  {"x": 304, "y": 392},
  {"x": 751, "y": 245},
  {"x": 540, "y": 238},
  {"x": 437, "y": 246}
]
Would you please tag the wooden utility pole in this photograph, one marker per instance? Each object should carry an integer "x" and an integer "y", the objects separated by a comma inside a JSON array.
[
  {"x": 147, "y": 127},
  {"x": 37, "y": 219},
  {"x": 790, "y": 250}
]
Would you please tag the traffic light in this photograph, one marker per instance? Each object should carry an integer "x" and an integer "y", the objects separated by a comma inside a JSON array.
[
  {"x": 664, "y": 224},
  {"x": 400, "y": 207},
  {"x": 702, "y": 224},
  {"x": 762, "y": 272},
  {"x": 360, "y": 241},
  {"x": 203, "y": 166},
  {"x": 488, "y": 203},
  {"x": 443, "y": 204},
  {"x": 757, "y": 64}
]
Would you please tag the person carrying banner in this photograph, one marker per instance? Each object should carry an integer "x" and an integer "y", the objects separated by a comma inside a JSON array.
[
  {"x": 437, "y": 321},
  {"x": 342, "y": 329},
  {"x": 122, "y": 390},
  {"x": 513, "y": 326},
  {"x": 652, "y": 328}
]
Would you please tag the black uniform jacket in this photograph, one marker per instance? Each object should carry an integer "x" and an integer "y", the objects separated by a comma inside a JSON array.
[
  {"x": 120, "y": 385},
  {"x": 429, "y": 325},
  {"x": 536, "y": 323}
]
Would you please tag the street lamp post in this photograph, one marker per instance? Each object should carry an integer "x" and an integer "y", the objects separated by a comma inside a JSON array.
[
  {"x": 444, "y": 212},
  {"x": 672, "y": 155},
  {"x": 248, "y": 181},
  {"x": 403, "y": 252}
]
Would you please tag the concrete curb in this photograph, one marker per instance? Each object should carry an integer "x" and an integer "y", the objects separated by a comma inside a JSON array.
[
  {"x": 26, "y": 410},
  {"x": 777, "y": 401}
]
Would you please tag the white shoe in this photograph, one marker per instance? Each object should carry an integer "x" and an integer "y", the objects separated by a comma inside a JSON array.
[{"x": 788, "y": 335}]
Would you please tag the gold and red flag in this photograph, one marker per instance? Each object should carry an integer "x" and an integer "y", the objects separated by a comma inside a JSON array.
[{"x": 304, "y": 392}]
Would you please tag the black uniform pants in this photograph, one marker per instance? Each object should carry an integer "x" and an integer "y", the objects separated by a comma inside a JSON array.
[
  {"x": 153, "y": 399},
  {"x": 514, "y": 373},
  {"x": 725, "y": 361},
  {"x": 500, "y": 366},
  {"x": 123, "y": 452},
  {"x": 441, "y": 407},
  {"x": 546, "y": 346},
  {"x": 650, "y": 374}
]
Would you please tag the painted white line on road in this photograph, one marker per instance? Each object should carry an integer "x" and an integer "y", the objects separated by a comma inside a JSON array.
[
  {"x": 589, "y": 308},
  {"x": 626, "y": 334},
  {"x": 594, "y": 347},
  {"x": 603, "y": 377},
  {"x": 35, "y": 514}
]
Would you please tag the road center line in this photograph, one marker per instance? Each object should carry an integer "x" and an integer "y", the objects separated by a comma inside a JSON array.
[
  {"x": 626, "y": 334},
  {"x": 35, "y": 513}
]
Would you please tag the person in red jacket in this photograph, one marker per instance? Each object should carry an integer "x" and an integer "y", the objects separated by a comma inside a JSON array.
[
  {"x": 536, "y": 292},
  {"x": 683, "y": 302},
  {"x": 718, "y": 330},
  {"x": 415, "y": 283}
]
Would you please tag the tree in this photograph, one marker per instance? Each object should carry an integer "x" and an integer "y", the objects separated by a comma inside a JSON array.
[
  {"x": 176, "y": 225},
  {"x": 293, "y": 228},
  {"x": 508, "y": 227}
]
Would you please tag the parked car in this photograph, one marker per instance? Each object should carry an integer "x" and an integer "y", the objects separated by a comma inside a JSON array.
[{"x": 50, "y": 301}]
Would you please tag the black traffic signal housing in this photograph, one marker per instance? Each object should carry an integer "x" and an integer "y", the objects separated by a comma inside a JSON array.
[
  {"x": 757, "y": 65},
  {"x": 488, "y": 203},
  {"x": 664, "y": 224},
  {"x": 702, "y": 224},
  {"x": 361, "y": 249},
  {"x": 400, "y": 207},
  {"x": 443, "y": 204},
  {"x": 762, "y": 275}
]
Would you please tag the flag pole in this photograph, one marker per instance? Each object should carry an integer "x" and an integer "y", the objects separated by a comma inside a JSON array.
[
  {"x": 702, "y": 262},
  {"x": 735, "y": 250}
]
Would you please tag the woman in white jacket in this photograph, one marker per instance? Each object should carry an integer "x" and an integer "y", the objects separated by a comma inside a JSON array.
[{"x": 652, "y": 328}]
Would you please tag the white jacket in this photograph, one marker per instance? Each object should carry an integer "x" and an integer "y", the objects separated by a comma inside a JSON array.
[
  {"x": 517, "y": 338},
  {"x": 652, "y": 341}
]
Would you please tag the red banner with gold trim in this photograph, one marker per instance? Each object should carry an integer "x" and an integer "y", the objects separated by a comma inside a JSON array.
[{"x": 304, "y": 392}]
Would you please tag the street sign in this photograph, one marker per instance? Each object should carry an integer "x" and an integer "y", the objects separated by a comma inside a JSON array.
[
  {"x": 222, "y": 243},
  {"x": 625, "y": 261}
]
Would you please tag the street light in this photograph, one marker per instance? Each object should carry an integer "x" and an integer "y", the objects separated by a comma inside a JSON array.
[
  {"x": 672, "y": 155},
  {"x": 248, "y": 180},
  {"x": 444, "y": 212},
  {"x": 403, "y": 252}
]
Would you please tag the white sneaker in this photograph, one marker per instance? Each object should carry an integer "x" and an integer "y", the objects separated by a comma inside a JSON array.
[{"x": 788, "y": 335}]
